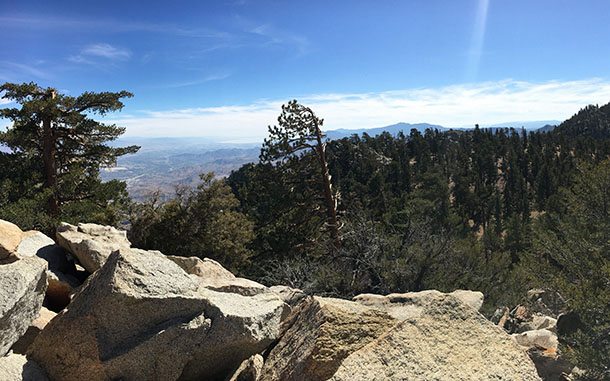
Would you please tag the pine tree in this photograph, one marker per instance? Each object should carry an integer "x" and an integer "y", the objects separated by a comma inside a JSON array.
[
  {"x": 300, "y": 130},
  {"x": 63, "y": 146}
]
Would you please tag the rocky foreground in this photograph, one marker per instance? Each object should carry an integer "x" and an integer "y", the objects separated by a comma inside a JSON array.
[{"x": 130, "y": 314}]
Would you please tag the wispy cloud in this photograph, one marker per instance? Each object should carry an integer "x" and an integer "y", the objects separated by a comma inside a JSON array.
[
  {"x": 15, "y": 71},
  {"x": 239, "y": 33},
  {"x": 107, "y": 25},
  {"x": 274, "y": 36},
  {"x": 209, "y": 78},
  {"x": 450, "y": 106}
]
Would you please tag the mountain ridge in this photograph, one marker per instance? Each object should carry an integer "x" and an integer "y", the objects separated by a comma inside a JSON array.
[{"x": 394, "y": 129}]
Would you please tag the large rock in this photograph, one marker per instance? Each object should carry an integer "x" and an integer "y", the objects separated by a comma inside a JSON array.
[
  {"x": 410, "y": 304},
  {"x": 22, "y": 288},
  {"x": 539, "y": 338},
  {"x": 10, "y": 236},
  {"x": 414, "y": 336},
  {"x": 142, "y": 317},
  {"x": 443, "y": 339},
  {"x": 35, "y": 243},
  {"x": 60, "y": 274},
  {"x": 14, "y": 367},
  {"x": 324, "y": 331},
  {"x": 213, "y": 276},
  {"x": 241, "y": 327},
  {"x": 91, "y": 244}
]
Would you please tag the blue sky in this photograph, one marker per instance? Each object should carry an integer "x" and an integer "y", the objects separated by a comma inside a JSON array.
[{"x": 222, "y": 68}]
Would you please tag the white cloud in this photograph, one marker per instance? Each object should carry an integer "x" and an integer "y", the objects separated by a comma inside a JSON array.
[
  {"x": 450, "y": 106},
  {"x": 100, "y": 54},
  {"x": 108, "y": 51}
]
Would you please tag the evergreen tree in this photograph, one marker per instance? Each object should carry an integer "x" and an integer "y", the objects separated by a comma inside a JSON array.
[
  {"x": 61, "y": 148},
  {"x": 301, "y": 130}
]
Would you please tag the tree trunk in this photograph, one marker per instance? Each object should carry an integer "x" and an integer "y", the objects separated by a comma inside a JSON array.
[
  {"x": 49, "y": 166},
  {"x": 331, "y": 203}
]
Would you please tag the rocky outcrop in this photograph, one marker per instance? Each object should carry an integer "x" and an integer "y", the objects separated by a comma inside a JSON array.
[
  {"x": 15, "y": 367},
  {"x": 91, "y": 244},
  {"x": 241, "y": 327},
  {"x": 538, "y": 322},
  {"x": 412, "y": 336},
  {"x": 410, "y": 304},
  {"x": 10, "y": 236},
  {"x": 443, "y": 339},
  {"x": 22, "y": 288},
  {"x": 141, "y": 316}
]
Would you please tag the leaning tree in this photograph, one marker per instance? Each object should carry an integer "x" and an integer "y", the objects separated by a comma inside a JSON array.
[
  {"x": 299, "y": 131},
  {"x": 65, "y": 146}
]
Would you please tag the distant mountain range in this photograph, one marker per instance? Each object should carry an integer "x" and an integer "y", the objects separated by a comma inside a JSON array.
[
  {"x": 534, "y": 125},
  {"x": 394, "y": 129}
]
